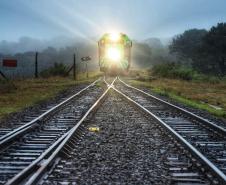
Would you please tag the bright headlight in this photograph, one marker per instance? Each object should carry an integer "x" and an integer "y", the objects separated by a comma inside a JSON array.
[
  {"x": 114, "y": 37},
  {"x": 113, "y": 54}
]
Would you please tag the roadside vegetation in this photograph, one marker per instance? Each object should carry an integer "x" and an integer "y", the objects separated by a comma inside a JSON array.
[
  {"x": 195, "y": 74},
  {"x": 206, "y": 96},
  {"x": 23, "y": 93},
  {"x": 185, "y": 86},
  {"x": 59, "y": 69},
  {"x": 204, "y": 51},
  {"x": 178, "y": 71}
]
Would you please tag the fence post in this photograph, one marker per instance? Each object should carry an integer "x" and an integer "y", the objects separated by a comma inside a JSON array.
[
  {"x": 74, "y": 66},
  {"x": 36, "y": 65}
]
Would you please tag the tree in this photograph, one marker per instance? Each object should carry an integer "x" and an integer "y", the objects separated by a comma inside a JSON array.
[
  {"x": 187, "y": 44},
  {"x": 187, "y": 47},
  {"x": 214, "y": 44}
]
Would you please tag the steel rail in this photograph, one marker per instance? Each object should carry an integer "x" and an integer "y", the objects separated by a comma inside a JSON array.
[
  {"x": 184, "y": 142},
  {"x": 107, "y": 82},
  {"x": 21, "y": 130},
  {"x": 40, "y": 164},
  {"x": 199, "y": 118}
]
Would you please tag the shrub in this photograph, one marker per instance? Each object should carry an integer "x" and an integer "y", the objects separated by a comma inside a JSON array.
[
  {"x": 207, "y": 78},
  {"x": 58, "y": 69},
  {"x": 224, "y": 79},
  {"x": 172, "y": 70},
  {"x": 178, "y": 71}
]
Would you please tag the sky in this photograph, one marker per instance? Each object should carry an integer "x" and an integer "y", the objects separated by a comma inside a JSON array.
[{"x": 140, "y": 19}]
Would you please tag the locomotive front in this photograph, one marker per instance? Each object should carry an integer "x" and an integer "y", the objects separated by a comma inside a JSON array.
[{"x": 114, "y": 53}]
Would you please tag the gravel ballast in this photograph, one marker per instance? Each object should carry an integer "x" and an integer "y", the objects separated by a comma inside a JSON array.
[{"x": 128, "y": 149}]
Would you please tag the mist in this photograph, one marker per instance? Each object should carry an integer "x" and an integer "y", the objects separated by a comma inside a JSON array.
[
  {"x": 145, "y": 53},
  {"x": 25, "y": 44}
]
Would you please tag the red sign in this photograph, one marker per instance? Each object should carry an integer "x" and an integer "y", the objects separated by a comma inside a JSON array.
[{"x": 9, "y": 63}]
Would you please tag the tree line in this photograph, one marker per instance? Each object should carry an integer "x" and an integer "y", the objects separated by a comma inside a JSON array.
[{"x": 203, "y": 50}]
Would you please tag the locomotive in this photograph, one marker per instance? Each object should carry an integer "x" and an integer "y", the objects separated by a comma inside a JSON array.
[{"x": 114, "y": 53}]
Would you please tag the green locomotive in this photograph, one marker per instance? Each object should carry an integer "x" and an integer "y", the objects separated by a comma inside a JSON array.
[{"x": 114, "y": 53}]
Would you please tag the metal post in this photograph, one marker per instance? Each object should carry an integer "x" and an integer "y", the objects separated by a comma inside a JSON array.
[
  {"x": 36, "y": 65},
  {"x": 87, "y": 74},
  {"x": 74, "y": 67}
]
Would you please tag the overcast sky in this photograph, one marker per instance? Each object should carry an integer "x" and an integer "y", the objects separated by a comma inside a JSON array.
[{"x": 140, "y": 19}]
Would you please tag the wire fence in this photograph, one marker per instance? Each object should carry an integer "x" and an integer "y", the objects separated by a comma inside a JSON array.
[
  {"x": 24, "y": 68},
  {"x": 26, "y": 64}
]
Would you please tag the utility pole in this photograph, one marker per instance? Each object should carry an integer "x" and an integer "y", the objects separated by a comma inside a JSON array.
[
  {"x": 74, "y": 66},
  {"x": 36, "y": 65}
]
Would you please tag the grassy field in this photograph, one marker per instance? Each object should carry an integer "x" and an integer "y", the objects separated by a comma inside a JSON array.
[
  {"x": 201, "y": 95},
  {"x": 29, "y": 92},
  {"x": 32, "y": 91}
]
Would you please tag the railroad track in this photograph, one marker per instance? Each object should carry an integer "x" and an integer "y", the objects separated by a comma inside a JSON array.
[
  {"x": 13, "y": 128},
  {"x": 129, "y": 149},
  {"x": 186, "y": 161},
  {"x": 73, "y": 163},
  {"x": 24, "y": 145},
  {"x": 205, "y": 140},
  {"x": 34, "y": 112}
]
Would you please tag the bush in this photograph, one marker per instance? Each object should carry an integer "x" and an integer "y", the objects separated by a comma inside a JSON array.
[
  {"x": 172, "y": 70},
  {"x": 207, "y": 78},
  {"x": 224, "y": 79},
  {"x": 57, "y": 70}
]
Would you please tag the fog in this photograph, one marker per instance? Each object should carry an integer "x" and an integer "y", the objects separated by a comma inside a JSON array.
[
  {"x": 25, "y": 44},
  {"x": 145, "y": 53}
]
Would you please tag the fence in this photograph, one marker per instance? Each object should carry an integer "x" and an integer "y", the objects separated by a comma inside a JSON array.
[
  {"x": 26, "y": 66},
  {"x": 46, "y": 59}
]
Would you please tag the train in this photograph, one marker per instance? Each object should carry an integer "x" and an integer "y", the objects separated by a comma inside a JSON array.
[{"x": 114, "y": 53}]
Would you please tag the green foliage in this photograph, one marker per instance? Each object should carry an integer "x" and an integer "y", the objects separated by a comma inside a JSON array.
[
  {"x": 205, "y": 51},
  {"x": 214, "y": 44},
  {"x": 58, "y": 69},
  {"x": 172, "y": 70},
  {"x": 177, "y": 71},
  {"x": 223, "y": 79},
  {"x": 207, "y": 78},
  {"x": 188, "y": 43}
]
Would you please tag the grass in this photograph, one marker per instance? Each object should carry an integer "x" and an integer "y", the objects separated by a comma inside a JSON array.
[
  {"x": 33, "y": 91},
  {"x": 92, "y": 74},
  {"x": 195, "y": 94}
]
